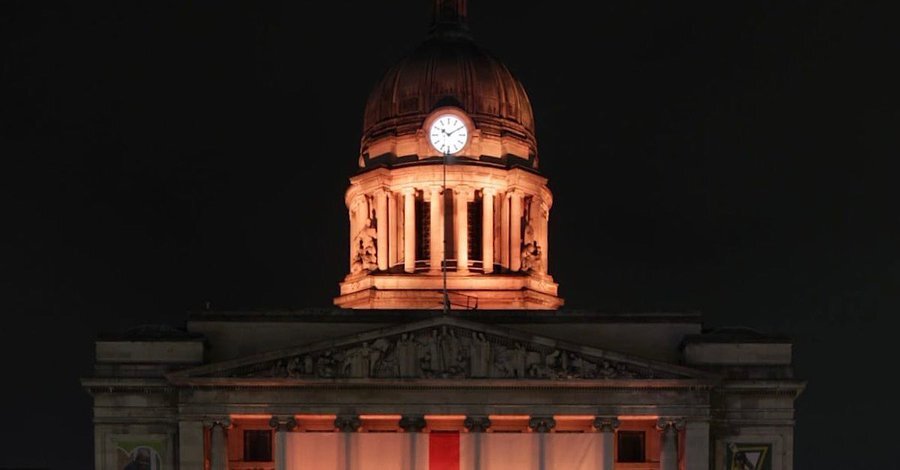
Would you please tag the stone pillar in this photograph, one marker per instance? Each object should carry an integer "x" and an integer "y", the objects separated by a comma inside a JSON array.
[
  {"x": 393, "y": 230},
  {"x": 412, "y": 425},
  {"x": 190, "y": 444},
  {"x": 487, "y": 230},
  {"x": 607, "y": 430},
  {"x": 358, "y": 215},
  {"x": 477, "y": 425},
  {"x": 668, "y": 445},
  {"x": 462, "y": 195},
  {"x": 437, "y": 229},
  {"x": 537, "y": 223},
  {"x": 348, "y": 425},
  {"x": 409, "y": 230},
  {"x": 381, "y": 216},
  {"x": 504, "y": 232},
  {"x": 696, "y": 446},
  {"x": 542, "y": 425},
  {"x": 515, "y": 231},
  {"x": 218, "y": 443},
  {"x": 282, "y": 426}
]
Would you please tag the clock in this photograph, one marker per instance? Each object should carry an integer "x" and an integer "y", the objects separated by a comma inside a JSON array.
[{"x": 448, "y": 134}]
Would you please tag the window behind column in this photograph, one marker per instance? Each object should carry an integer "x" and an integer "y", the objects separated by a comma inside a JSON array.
[
  {"x": 630, "y": 446},
  {"x": 474, "y": 225},
  {"x": 423, "y": 229},
  {"x": 257, "y": 445}
]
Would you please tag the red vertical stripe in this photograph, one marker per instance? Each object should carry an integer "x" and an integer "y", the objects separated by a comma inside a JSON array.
[{"x": 443, "y": 451}]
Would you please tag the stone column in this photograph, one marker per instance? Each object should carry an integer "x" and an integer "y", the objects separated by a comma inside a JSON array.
[
  {"x": 381, "y": 216},
  {"x": 409, "y": 230},
  {"x": 358, "y": 215},
  {"x": 696, "y": 446},
  {"x": 348, "y": 425},
  {"x": 477, "y": 425},
  {"x": 607, "y": 430},
  {"x": 190, "y": 444},
  {"x": 668, "y": 445},
  {"x": 542, "y": 425},
  {"x": 437, "y": 229},
  {"x": 393, "y": 230},
  {"x": 504, "y": 232},
  {"x": 487, "y": 230},
  {"x": 218, "y": 443},
  {"x": 537, "y": 219},
  {"x": 412, "y": 425},
  {"x": 462, "y": 195},
  {"x": 282, "y": 426},
  {"x": 515, "y": 231}
]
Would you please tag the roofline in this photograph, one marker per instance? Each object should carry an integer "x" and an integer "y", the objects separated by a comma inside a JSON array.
[{"x": 335, "y": 315}]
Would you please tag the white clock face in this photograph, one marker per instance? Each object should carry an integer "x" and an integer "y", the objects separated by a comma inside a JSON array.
[{"x": 448, "y": 134}]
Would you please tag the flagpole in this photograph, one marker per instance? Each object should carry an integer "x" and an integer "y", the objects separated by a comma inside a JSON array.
[{"x": 444, "y": 238}]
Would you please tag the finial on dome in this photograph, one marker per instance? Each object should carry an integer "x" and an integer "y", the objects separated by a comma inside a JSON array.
[{"x": 449, "y": 13}]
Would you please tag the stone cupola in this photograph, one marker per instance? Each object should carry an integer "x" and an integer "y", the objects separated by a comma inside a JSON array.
[{"x": 449, "y": 192}]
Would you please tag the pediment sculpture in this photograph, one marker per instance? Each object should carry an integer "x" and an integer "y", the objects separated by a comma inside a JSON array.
[{"x": 446, "y": 352}]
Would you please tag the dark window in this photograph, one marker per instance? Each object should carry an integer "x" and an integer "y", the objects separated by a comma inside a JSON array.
[
  {"x": 475, "y": 232},
  {"x": 631, "y": 446},
  {"x": 258, "y": 446},
  {"x": 423, "y": 229}
]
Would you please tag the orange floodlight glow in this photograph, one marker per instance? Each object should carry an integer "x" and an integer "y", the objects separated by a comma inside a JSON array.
[{"x": 250, "y": 417}]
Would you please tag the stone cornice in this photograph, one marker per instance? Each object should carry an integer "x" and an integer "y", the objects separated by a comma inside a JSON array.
[
  {"x": 336, "y": 315},
  {"x": 443, "y": 384},
  {"x": 136, "y": 385},
  {"x": 785, "y": 387}
]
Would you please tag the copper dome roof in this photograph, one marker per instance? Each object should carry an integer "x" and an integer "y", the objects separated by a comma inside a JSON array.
[{"x": 449, "y": 69}]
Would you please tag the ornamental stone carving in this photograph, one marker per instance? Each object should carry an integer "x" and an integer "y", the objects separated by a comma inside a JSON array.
[
  {"x": 412, "y": 423},
  {"x": 366, "y": 249},
  {"x": 477, "y": 423},
  {"x": 542, "y": 424},
  {"x": 606, "y": 424},
  {"x": 446, "y": 352},
  {"x": 347, "y": 423},
  {"x": 283, "y": 424},
  {"x": 669, "y": 424}
]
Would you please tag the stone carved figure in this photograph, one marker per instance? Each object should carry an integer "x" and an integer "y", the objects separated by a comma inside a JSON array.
[
  {"x": 531, "y": 257},
  {"x": 479, "y": 356},
  {"x": 366, "y": 257},
  {"x": 446, "y": 352},
  {"x": 356, "y": 362},
  {"x": 326, "y": 365},
  {"x": 407, "y": 356}
]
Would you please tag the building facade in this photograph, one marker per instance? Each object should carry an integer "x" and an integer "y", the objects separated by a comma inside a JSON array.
[{"x": 448, "y": 347}]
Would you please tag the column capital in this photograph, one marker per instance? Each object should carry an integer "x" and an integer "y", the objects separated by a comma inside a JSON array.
[
  {"x": 477, "y": 423},
  {"x": 666, "y": 424},
  {"x": 283, "y": 423},
  {"x": 215, "y": 421},
  {"x": 489, "y": 191},
  {"x": 606, "y": 423},
  {"x": 412, "y": 423},
  {"x": 408, "y": 191},
  {"x": 541, "y": 423},
  {"x": 380, "y": 191},
  {"x": 464, "y": 191},
  {"x": 348, "y": 423}
]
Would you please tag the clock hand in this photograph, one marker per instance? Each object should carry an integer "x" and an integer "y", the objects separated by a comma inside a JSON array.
[{"x": 457, "y": 129}]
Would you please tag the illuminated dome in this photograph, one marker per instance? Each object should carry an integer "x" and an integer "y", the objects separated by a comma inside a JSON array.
[
  {"x": 448, "y": 210},
  {"x": 449, "y": 69}
]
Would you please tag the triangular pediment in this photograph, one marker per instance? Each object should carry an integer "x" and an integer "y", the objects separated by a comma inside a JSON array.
[{"x": 441, "y": 348}]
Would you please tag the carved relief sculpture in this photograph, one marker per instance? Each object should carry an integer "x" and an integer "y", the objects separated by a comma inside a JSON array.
[{"x": 447, "y": 352}]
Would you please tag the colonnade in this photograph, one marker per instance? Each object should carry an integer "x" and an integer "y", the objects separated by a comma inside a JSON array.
[
  {"x": 695, "y": 449},
  {"x": 384, "y": 229}
]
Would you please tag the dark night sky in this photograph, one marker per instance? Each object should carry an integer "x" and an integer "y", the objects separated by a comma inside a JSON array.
[{"x": 731, "y": 157}]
